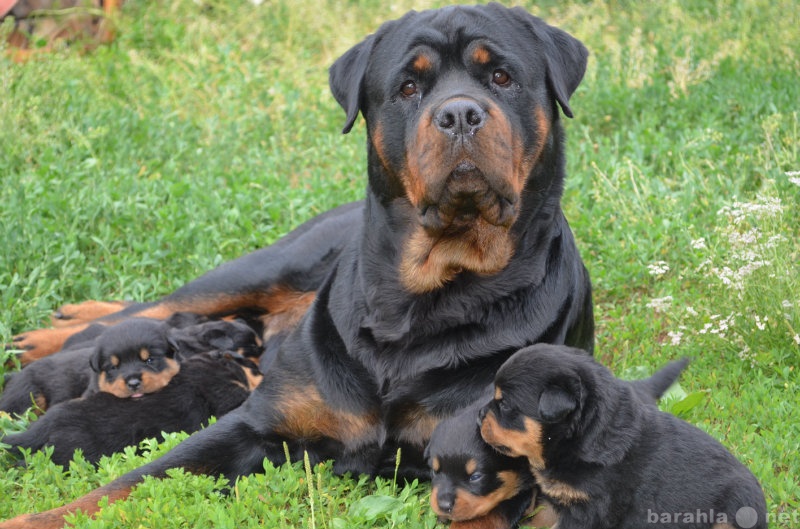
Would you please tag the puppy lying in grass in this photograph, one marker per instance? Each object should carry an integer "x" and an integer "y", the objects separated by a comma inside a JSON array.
[
  {"x": 208, "y": 384},
  {"x": 607, "y": 458}
]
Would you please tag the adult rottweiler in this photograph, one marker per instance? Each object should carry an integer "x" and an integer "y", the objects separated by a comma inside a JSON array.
[{"x": 459, "y": 256}]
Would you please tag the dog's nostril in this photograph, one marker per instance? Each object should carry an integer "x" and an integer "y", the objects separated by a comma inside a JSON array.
[
  {"x": 134, "y": 383},
  {"x": 460, "y": 117},
  {"x": 446, "y": 505}
]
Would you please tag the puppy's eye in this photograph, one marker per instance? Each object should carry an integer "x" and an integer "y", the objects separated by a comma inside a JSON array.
[
  {"x": 501, "y": 77},
  {"x": 475, "y": 477},
  {"x": 408, "y": 88},
  {"x": 503, "y": 407},
  {"x": 149, "y": 361}
]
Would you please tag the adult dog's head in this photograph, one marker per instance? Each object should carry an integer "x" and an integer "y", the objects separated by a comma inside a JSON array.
[{"x": 461, "y": 106}]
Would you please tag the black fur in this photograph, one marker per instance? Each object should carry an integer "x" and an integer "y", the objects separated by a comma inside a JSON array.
[
  {"x": 624, "y": 463},
  {"x": 378, "y": 359},
  {"x": 472, "y": 480},
  {"x": 210, "y": 384}
]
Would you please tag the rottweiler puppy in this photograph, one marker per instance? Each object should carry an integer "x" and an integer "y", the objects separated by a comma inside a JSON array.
[
  {"x": 51, "y": 380},
  {"x": 411, "y": 300},
  {"x": 133, "y": 358},
  {"x": 471, "y": 481},
  {"x": 68, "y": 375},
  {"x": 476, "y": 486},
  {"x": 208, "y": 384},
  {"x": 606, "y": 457}
]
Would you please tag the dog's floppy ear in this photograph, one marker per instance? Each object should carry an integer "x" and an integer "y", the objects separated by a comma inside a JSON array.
[
  {"x": 95, "y": 359},
  {"x": 346, "y": 79},
  {"x": 219, "y": 339},
  {"x": 555, "y": 403},
  {"x": 566, "y": 58}
]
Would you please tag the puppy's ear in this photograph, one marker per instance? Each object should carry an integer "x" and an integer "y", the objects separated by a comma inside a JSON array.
[
  {"x": 219, "y": 339},
  {"x": 346, "y": 79},
  {"x": 95, "y": 359},
  {"x": 556, "y": 403}
]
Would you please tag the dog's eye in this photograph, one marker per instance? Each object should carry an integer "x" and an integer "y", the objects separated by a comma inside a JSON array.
[
  {"x": 475, "y": 477},
  {"x": 149, "y": 361},
  {"x": 408, "y": 88},
  {"x": 501, "y": 77},
  {"x": 503, "y": 406}
]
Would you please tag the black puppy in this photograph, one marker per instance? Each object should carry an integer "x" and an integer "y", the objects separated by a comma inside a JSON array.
[
  {"x": 133, "y": 358},
  {"x": 606, "y": 457},
  {"x": 470, "y": 480},
  {"x": 209, "y": 384},
  {"x": 51, "y": 380}
]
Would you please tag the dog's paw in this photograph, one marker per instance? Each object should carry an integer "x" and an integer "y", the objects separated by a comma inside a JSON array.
[
  {"x": 39, "y": 343},
  {"x": 73, "y": 314}
]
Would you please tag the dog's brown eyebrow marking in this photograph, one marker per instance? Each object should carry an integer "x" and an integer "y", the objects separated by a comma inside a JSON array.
[
  {"x": 435, "y": 464},
  {"x": 422, "y": 63},
  {"x": 471, "y": 466},
  {"x": 114, "y": 360},
  {"x": 144, "y": 354},
  {"x": 481, "y": 55},
  {"x": 498, "y": 393}
]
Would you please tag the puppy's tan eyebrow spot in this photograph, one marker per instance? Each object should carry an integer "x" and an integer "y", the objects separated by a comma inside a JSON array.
[
  {"x": 435, "y": 464},
  {"x": 114, "y": 360},
  {"x": 144, "y": 354},
  {"x": 498, "y": 393},
  {"x": 471, "y": 466}
]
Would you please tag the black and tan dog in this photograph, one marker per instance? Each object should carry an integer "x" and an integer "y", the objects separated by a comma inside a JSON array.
[
  {"x": 208, "y": 384},
  {"x": 411, "y": 300},
  {"x": 606, "y": 457},
  {"x": 75, "y": 371},
  {"x": 471, "y": 481}
]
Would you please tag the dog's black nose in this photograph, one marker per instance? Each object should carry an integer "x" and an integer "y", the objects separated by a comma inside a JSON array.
[
  {"x": 460, "y": 117},
  {"x": 445, "y": 503},
  {"x": 134, "y": 383}
]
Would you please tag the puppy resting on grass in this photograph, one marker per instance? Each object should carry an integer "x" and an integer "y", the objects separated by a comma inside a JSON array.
[{"x": 607, "y": 458}]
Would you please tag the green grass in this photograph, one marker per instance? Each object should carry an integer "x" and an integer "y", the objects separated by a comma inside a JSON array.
[{"x": 207, "y": 130}]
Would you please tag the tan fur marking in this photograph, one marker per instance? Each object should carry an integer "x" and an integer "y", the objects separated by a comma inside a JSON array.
[
  {"x": 436, "y": 464},
  {"x": 144, "y": 354},
  {"x": 417, "y": 427},
  {"x": 481, "y": 55},
  {"x": 114, "y": 360},
  {"x": 307, "y": 415},
  {"x": 72, "y": 314},
  {"x": 285, "y": 308},
  {"x": 468, "y": 506},
  {"x": 429, "y": 260},
  {"x": 471, "y": 466},
  {"x": 527, "y": 443},
  {"x": 558, "y": 490},
  {"x": 498, "y": 393},
  {"x": 422, "y": 63},
  {"x": 152, "y": 382}
]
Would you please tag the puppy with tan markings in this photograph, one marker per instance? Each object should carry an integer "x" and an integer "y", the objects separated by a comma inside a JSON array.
[
  {"x": 606, "y": 457},
  {"x": 472, "y": 484},
  {"x": 133, "y": 358}
]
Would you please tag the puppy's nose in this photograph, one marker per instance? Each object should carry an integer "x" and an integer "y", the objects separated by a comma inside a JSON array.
[
  {"x": 134, "y": 383},
  {"x": 445, "y": 503},
  {"x": 460, "y": 117}
]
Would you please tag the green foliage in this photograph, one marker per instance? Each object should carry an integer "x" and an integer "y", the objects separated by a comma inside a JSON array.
[{"x": 206, "y": 130}]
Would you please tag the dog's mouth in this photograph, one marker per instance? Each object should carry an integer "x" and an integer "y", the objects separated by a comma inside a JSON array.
[{"x": 464, "y": 199}]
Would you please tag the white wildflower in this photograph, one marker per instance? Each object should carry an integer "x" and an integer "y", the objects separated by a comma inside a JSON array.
[
  {"x": 659, "y": 268},
  {"x": 786, "y": 304},
  {"x": 690, "y": 310},
  {"x": 761, "y": 324},
  {"x": 794, "y": 177},
  {"x": 699, "y": 244},
  {"x": 675, "y": 337},
  {"x": 660, "y": 304},
  {"x": 797, "y": 339}
]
